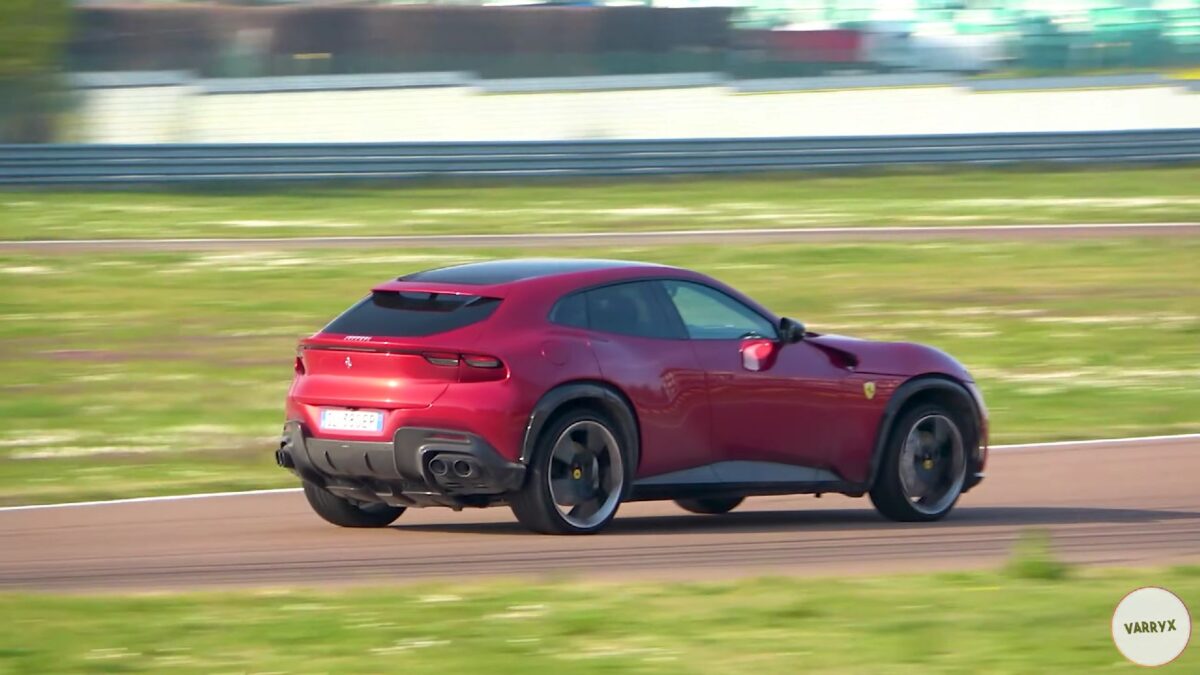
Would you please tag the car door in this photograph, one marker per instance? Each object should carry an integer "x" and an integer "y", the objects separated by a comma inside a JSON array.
[
  {"x": 641, "y": 349},
  {"x": 784, "y": 413}
]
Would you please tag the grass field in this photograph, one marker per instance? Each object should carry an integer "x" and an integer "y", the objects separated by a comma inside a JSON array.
[
  {"x": 125, "y": 375},
  {"x": 981, "y": 622},
  {"x": 954, "y": 197}
]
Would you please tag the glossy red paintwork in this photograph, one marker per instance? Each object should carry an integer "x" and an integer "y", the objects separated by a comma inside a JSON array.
[
  {"x": 668, "y": 388},
  {"x": 695, "y": 402}
]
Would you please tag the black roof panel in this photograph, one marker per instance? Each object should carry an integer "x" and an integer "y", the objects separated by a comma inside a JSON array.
[{"x": 506, "y": 271}]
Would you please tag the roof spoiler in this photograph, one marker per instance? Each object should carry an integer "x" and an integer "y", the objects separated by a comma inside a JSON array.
[{"x": 429, "y": 287}]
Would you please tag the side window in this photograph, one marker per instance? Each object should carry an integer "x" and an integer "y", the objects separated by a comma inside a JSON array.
[
  {"x": 709, "y": 314},
  {"x": 627, "y": 309},
  {"x": 571, "y": 311}
]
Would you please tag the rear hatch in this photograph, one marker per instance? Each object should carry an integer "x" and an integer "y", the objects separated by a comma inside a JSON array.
[{"x": 397, "y": 348}]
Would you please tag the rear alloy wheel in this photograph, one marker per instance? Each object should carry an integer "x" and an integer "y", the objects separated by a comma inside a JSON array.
[
  {"x": 710, "y": 505},
  {"x": 577, "y": 477},
  {"x": 925, "y": 467},
  {"x": 349, "y": 514}
]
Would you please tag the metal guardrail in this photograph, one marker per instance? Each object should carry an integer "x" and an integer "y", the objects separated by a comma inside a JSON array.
[
  {"x": 351, "y": 82},
  {"x": 196, "y": 163}
]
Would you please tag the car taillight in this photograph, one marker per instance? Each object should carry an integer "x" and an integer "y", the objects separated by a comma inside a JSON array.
[
  {"x": 441, "y": 358},
  {"x": 471, "y": 367},
  {"x": 477, "y": 361},
  {"x": 481, "y": 368}
]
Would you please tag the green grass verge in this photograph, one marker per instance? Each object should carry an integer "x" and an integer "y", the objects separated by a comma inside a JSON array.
[
  {"x": 947, "y": 623},
  {"x": 124, "y": 375},
  {"x": 955, "y": 197}
]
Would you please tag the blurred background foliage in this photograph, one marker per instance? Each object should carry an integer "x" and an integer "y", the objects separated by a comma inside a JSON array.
[
  {"x": 758, "y": 38},
  {"x": 33, "y": 36},
  {"x": 46, "y": 44}
]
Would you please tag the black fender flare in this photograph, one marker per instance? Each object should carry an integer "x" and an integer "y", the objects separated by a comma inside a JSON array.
[
  {"x": 905, "y": 393},
  {"x": 609, "y": 397}
]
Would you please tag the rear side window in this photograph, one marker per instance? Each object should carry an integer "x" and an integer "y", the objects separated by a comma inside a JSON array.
[
  {"x": 409, "y": 314},
  {"x": 627, "y": 309},
  {"x": 570, "y": 311}
]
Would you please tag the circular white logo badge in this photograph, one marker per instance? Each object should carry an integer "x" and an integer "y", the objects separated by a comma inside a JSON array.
[{"x": 1151, "y": 626}]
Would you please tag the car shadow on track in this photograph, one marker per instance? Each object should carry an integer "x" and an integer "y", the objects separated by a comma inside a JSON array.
[{"x": 824, "y": 520}]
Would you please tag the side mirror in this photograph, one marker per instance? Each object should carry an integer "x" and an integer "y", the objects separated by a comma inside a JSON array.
[
  {"x": 758, "y": 354},
  {"x": 790, "y": 330}
]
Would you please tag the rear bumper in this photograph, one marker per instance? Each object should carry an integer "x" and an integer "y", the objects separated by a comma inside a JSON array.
[{"x": 420, "y": 467}]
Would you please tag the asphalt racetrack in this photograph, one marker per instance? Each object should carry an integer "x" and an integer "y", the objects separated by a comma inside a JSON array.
[
  {"x": 631, "y": 238},
  {"x": 1126, "y": 503}
]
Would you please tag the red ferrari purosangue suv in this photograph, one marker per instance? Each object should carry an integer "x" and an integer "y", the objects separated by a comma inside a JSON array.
[{"x": 565, "y": 387}]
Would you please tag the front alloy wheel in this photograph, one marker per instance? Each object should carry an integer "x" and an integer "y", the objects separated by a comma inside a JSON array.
[
  {"x": 925, "y": 467},
  {"x": 711, "y": 506}
]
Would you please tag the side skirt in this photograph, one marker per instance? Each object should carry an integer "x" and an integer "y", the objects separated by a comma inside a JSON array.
[{"x": 740, "y": 478}]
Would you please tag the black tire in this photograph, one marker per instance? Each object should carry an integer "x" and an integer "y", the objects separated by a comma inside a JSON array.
[
  {"x": 534, "y": 504},
  {"x": 344, "y": 513},
  {"x": 889, "y": 494},
  {"x": 711, "y": 506}
]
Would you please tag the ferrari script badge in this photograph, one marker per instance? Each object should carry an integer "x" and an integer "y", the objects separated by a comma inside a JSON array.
[{"x": 869, "y": 390}]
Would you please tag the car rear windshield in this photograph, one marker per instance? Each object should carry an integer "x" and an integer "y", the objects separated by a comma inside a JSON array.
[{"x": 410, "y": 314}]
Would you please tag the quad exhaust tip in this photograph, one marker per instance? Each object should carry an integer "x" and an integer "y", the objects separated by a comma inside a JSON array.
[
  {"x": 438, "y": 467},
  {"x": 284, "y": 459},
  {"x": 459, "y": 468}
]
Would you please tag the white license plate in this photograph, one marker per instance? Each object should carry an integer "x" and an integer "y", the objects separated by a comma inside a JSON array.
[{"x": 351, "y": 420}]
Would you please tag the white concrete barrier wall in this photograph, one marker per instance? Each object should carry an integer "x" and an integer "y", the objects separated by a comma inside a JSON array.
[{"x": 186, "y": 114}]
